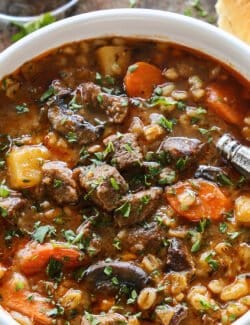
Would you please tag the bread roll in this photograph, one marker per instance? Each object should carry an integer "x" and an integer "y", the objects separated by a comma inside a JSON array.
[{"x": 234, "y": 17}]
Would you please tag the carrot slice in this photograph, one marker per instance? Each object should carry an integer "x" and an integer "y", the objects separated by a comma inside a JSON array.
[
  {"x": 223, "y": 99},
  {"x": 33, "y": 305},
  {"x": 196, "y": 199},
  {"x": 33, "y": 259},
  {"x": 141, "y": 78}
]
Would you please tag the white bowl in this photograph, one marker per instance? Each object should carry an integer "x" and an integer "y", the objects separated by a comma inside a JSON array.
[
  {"x": 144, "y": 23},
  {"x": 131, "y": 22}
]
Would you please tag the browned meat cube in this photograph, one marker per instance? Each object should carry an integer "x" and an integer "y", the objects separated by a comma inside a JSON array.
[
  {"x": 11, "y": 205},
  {"x": 180, "y": 147},
  {"x": 138, "y": 206},
  {"x": 126, "y": 150},
  {"x": 115, "y": 107},
  {"x": 103, "y": 184},
  {"x": 178, "y": 257},
  {"x": 58, "y": 182}
]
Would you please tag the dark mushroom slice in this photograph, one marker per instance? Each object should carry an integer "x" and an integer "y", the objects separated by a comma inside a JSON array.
[
  {"x": 107, "y": 319},
  {"x": 91, "y": 95},
  {"x": 100, "y": 274},
  {"x": 58, "y": 182},
  {"x": 210, "y": 173},
  {"x": 73, "y": 126},
  {"x": 181, "y": 147},
  {"x": 178, "y": 258}
]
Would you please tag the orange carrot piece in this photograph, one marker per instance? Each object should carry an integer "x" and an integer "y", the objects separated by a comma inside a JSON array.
[
  {"x": 141, "y": 78},
  {"x": 210, "y": 202},
  {"x": 26, "y": 302},
  {"x": 33, "y": 259},
  {"x": 224, "y": 100}
]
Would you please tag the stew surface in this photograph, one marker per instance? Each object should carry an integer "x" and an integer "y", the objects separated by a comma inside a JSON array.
[{"x": 116, "y": 207}]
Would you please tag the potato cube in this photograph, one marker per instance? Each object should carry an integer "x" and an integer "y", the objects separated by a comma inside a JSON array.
[
  {"x": 242, "y": 209},
  {"x": 113, "y": 60},
  {"x": 24, "y": 165}
]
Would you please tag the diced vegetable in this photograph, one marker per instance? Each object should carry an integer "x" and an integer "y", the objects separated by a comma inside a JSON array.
[
  {"x": 242, "y": 209},
  {"x": 141, "y": 79},
  {"x": 223, "y": 99},
  {"x": 113, "y": 60},
  {"x": 15, "y": 296},
  {"x": 33, "y": 259},
  {"x": 24, "y": 165},
  {"x": 197, "y": 199}
]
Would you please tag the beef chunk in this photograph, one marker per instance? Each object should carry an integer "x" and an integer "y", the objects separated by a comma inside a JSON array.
[
  {"x": 181, "y": 147},
  {"x": 138, "y": 206},
  {"x": 107, "y": 319},
  {"x": 171, "y": 315},
  {"x": 60, "y": 88},
  {"x": 178, "y": 258},
  {"x": 148, "y": 237},
  {"x": 103, "y": 184},
  {"x": 115, "y": 107},
  {"x": 58, "y": 182},
  {"x": 127, "y": 152},
  {"x": 12, "y": 205},
  {"x": 73, "y": 126}
]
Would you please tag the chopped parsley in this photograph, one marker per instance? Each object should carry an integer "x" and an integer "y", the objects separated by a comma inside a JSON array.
[
  {"x": 233, "y": 235},
  {"x": 128, "y": 147},
  {"x": 132, "y": 68},
  {"x": 21, "y": 109},
  {"x": 166, "y": 124},
  {"x": 181, "y": 163},
  {"x": 223, "y": 179},
  {"x": 40, "y": 233},
  {"x": 114, "y": 184},
  {"x": 57, "y": 183},
  {"x": 124, "y": 209},
  {"x": 47, "y": 94},
  {"x": 99, "y": 98},
  {"x": 54, "y": 269},
  {"x": 117, "y": 244},
  {"x": 73, "y": 105},
  {"x": 108, "y": 270},
  {"x": 3, "y": 212},
  {"x": 4, "y": 191},
  {"x": 132, "y": 298},
  {"x": 223, "y": 227},
  {"x": 132, "y": 3},
  {"x": 71, "y": 137},
  {"x": 214, "y": 264},
  {"x": 31, "y": 26},
  {"x": 196, "y": 246}
]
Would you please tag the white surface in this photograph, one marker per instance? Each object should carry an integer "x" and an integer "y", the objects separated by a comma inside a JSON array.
[{"x": 131, "y": 22}]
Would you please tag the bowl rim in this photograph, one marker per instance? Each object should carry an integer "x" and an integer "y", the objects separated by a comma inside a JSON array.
[
  {"x": 34, "y": 44},
  {"x": 235, "y": 51}
]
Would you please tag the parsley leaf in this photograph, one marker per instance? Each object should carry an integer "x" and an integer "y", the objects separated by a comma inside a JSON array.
[
  {"x": 30, "y": 27},
  {"x": 41, "y": 232}
]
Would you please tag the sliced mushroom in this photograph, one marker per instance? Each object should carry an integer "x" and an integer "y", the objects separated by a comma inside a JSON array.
[
  {"x": 99, "y": 275},
  {"x": 210, "y": 173}
]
